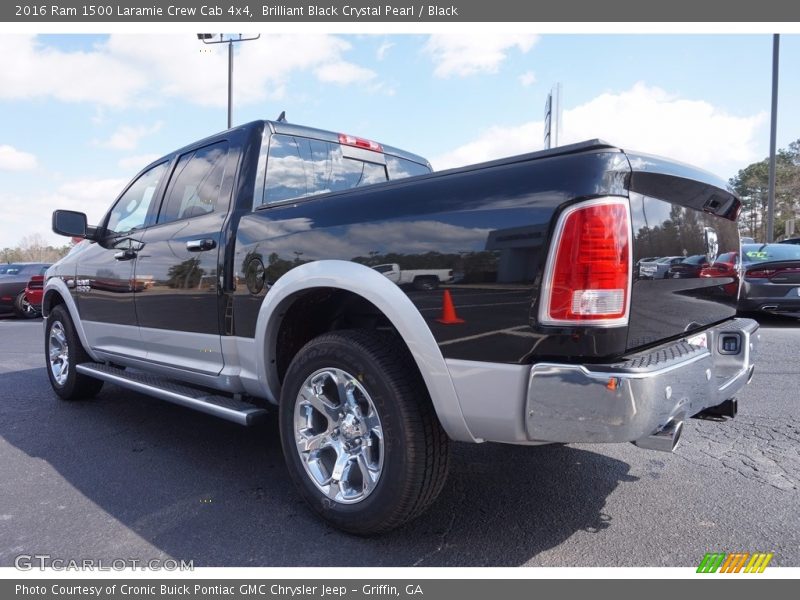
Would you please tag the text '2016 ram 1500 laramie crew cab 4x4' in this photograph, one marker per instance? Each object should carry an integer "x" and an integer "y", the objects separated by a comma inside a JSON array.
[{"x": 236, "y": 274}]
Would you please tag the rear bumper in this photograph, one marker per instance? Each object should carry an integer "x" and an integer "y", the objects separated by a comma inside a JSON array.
[
  {"x": 769, "y": 298},
  {"x": 626, "y": 401}
]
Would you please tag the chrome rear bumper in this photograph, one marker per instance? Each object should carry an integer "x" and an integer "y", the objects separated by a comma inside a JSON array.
[
  {"x": 637, "y": 398},
  {"x": 643, "y": 398}
]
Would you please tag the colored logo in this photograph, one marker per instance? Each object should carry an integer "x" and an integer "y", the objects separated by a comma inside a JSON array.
[{"x": 736, "y": 562}]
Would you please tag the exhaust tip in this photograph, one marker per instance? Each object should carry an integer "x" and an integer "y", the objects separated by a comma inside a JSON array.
[
  {"x": 770, "y": 307},
  {"x": 665, "y": 439}
]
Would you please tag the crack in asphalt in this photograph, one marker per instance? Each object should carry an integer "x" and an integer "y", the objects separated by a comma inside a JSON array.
[
  {"x": 442, "y": 544},
  {"x": 759, "y": 450}
]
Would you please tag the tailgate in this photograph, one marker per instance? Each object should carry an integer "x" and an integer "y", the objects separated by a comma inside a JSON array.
[{"x": 678, "y": 210}]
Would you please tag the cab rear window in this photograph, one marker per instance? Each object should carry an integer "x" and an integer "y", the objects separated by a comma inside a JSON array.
[{"x": 298, "y": 167}]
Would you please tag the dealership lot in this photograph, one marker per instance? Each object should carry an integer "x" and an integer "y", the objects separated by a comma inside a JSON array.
[{"x": 131, "y": 477}]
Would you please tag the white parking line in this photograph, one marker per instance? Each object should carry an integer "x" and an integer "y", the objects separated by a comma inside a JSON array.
[{"x": 509, "y": 331}]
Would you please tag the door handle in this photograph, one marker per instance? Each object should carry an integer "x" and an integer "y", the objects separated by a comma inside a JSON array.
[
  {"x": 200, "y": 245},
  {"x": 125, "y": 255}
]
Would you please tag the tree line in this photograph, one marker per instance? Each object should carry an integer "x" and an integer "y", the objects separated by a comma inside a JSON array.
[
  {"x": 752, "y": 186},
  {"x": 33, "y": 248}
]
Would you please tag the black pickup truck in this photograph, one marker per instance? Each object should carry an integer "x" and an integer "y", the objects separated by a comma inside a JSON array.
[{"x": 235, "y": 275}]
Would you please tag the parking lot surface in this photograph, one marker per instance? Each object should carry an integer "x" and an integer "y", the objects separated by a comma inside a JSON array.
[{"x": 127, "y": 476}]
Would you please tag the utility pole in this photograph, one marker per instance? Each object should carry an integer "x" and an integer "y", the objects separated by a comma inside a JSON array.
[
  {"x": 208, "y": 38},
  {"x": 773, "y": 130}
]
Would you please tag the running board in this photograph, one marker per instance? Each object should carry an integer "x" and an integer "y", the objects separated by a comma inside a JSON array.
[{"x": 223, "y": 407}]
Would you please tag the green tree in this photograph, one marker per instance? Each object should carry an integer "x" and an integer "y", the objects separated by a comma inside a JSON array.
[{"x": 752, "y": 186}]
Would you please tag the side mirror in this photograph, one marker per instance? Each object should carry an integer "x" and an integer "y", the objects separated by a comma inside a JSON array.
[{"x": 70, "y": 223}]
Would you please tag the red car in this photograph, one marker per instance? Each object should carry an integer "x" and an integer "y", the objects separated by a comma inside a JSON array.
[
  {"x": 34, "y": 292},
  {"x": 726, "y": 265}
]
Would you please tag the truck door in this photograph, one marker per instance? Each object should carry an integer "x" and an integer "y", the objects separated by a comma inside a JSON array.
[
  {"x": 178, "y": 270},
  {"x": 104, "y": 283}
]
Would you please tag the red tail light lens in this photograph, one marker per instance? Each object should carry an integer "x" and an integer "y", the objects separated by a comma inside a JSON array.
[{"x": 588, "y": 277}]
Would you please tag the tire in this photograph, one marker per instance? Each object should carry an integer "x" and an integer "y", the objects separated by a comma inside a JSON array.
[
  {"x": 394, "y": 477},
  {"x": 426, "y": 283},
  {"x": 63, "y": 347},
  {"x": 24, "y": 309}
]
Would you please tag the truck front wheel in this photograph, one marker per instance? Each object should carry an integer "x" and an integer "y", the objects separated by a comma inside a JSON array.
[
  {"x": 359, "y": 433},
  {"x": 64, "y": 352}
]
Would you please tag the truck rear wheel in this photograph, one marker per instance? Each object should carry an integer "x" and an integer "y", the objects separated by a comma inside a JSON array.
[
  {"x": 359, "y": 433},
  {"x": 64, "y": 352}
]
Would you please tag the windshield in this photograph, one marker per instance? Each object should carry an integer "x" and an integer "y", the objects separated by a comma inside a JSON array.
[
  {"x": 755, "y": 253},
  {"x": 10, "y": 269}
]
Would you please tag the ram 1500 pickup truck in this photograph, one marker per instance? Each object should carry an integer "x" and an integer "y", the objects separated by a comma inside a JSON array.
[{"x": 236, "y": 274}]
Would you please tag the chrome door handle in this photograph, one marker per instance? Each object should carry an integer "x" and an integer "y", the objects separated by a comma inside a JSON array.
[{"x": 200, "y": 245}]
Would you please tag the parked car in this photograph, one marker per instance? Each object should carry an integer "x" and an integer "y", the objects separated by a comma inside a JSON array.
[
  {"x": 14, "y": 278},
  {"x": 771, "y": 280},
  {"x": 34, "y": 292},
  {"x": 658, "y": 268},
  {"x": 420, "y": 279},
  {"x": 371, "y": 382},
  {"x": 726, "y": 268},
  {"x": 688, "y": 268}
]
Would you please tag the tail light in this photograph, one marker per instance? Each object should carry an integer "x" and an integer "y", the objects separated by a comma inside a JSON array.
[
  {"x": 767, "y": 273},
  {"x": 36, "y": 282},
  {"x": 588, "y": 274}
]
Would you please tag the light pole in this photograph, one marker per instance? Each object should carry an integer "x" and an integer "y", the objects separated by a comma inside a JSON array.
[
  {"x": 773, "y": 127},
  {"x": 208, "y": 38}
]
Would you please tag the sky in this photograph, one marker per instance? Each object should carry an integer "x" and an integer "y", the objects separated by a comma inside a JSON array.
[{"x": 80, "y": 115}]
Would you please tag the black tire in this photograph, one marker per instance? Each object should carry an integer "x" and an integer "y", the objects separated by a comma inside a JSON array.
[
  {"x": 426, "y": 283},
  {"x": 415, "y": 448},
  {"x": 75, "y": 386},
  {"x": 24, "y": 309}
]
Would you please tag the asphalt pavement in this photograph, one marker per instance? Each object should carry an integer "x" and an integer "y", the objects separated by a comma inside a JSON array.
[{"x": 127, "y": 476}]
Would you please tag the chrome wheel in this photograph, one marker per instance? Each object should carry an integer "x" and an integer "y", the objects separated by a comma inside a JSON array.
[
  {"x": 58, "y": 353},
  {"x": 338, "y": 435}
]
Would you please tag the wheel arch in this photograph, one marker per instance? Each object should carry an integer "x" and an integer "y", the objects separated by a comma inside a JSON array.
[
  {"x": 388, "y": 299},
  {"x": 57, "y": 293}
]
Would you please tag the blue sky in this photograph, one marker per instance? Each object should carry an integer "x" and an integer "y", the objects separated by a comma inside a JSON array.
[{"x": 80, "y": 114}]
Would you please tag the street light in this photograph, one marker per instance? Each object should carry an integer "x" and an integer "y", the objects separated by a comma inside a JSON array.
[{"x": 208, "y": 38}]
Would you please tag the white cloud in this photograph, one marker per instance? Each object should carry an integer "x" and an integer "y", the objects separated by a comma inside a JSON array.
[
  {"x": 140, "y": 70},
  {"x": 12, "y": 159},
  {"x": 137, "y": 162},
  {"x": 343, "y": 73},
  {"x": 127, "y": 137},
  {"x": 527, "y": 79},
  {"x": 31, "y": 70},
  {"x": 380, "y": 53},
  {"x": 31, "y": 214},
  {"x": 643, "y": 118},
  {"x": 468, "y": 54}
]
